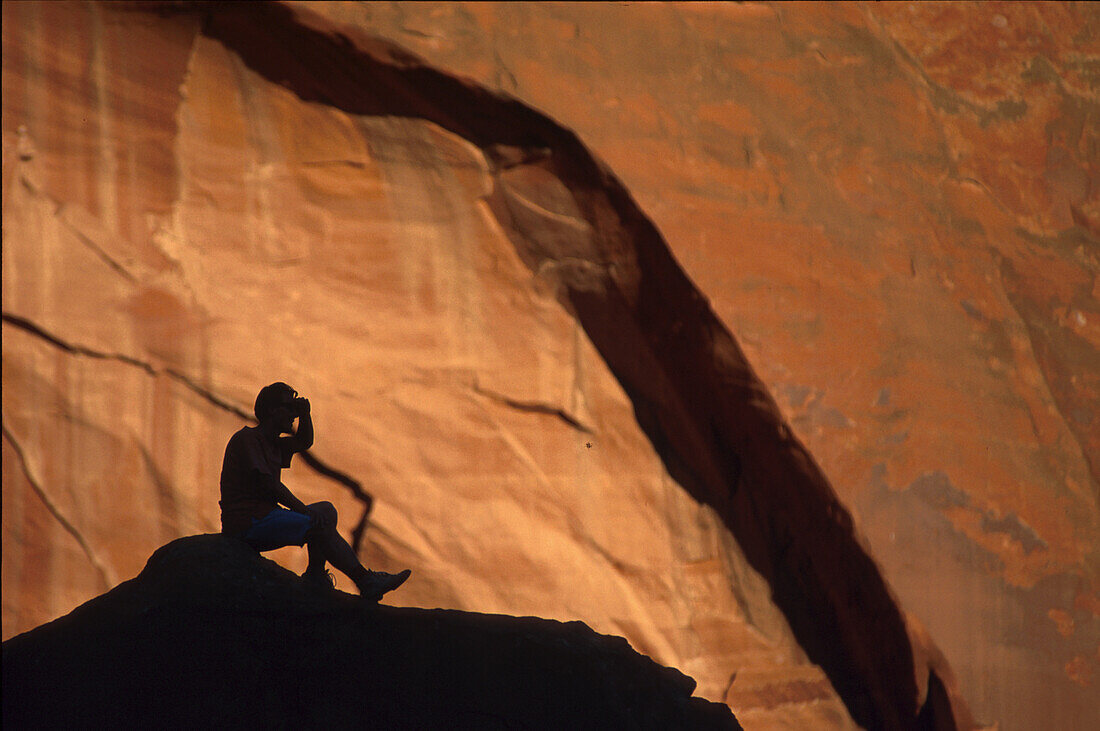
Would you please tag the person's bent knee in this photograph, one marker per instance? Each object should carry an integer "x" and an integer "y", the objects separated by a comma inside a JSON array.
[{"x": 326, "y": 511}]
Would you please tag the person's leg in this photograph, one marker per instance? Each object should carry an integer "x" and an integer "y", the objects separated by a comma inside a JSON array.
[
  {"x": 317, "y": 557},
  {"x": 326, "y": 544}
]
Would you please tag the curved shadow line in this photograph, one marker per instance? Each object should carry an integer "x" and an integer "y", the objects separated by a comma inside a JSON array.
[
  {"x": 695, "y": 395},
  {"x": 353, "y": 486}
]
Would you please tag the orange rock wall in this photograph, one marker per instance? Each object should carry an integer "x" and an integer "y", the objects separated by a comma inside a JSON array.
[
  {"x": 895, "y": 209},
  {"x": 892, "y": 208},
  {"x": 179, "y": 231}
]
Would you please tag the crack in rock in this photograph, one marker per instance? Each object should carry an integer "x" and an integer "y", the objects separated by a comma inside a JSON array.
[
  {"x": 317, "y": 465},
  {"x": 535, "y": 407},
  {"x": 29, "y": 327},
  {"x": 68, "y": 216},
  {"x": 106, "y": 576},
  {"x": 63, "y": 215}
]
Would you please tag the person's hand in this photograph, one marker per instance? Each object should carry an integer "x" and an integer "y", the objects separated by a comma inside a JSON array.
[{"x": 301, "y": 406}]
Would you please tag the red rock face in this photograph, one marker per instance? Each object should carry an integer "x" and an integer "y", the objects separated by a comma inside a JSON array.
[{"x": 889, "y": 211}]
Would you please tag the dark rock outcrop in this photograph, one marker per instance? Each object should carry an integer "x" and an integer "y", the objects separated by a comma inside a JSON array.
[{"x": 211, "y": 634}]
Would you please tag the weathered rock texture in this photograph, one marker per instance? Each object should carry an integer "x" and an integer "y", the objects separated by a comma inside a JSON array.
[
  {"x": 210, "y": 635},
  {"x": 890, "y": 211}
]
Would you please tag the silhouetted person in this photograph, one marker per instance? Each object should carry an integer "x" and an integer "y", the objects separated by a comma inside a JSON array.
[{"x": 252, "y": 493}]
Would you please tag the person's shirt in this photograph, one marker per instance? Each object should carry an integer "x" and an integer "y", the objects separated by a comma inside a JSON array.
[{"x": 244, "y": 493}]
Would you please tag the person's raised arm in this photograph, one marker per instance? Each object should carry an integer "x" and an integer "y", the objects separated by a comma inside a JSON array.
[{"x": 303, "y": 435}]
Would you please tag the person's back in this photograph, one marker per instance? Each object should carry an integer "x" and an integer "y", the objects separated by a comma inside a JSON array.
[{"x": 244, "y": 497}]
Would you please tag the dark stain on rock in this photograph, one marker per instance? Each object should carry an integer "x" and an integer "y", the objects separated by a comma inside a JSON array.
[{"x": 1012, "y": 527}]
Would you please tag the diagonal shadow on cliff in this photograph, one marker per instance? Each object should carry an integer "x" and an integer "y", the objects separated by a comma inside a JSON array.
[{"x": 708, "y": 415}]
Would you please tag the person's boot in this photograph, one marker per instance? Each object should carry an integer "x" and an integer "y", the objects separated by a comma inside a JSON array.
[
  {"x": 375, "y": 584},
  {"x": 321, "y": 581}
]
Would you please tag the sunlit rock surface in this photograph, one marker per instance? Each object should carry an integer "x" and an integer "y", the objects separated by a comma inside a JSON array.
[{"x": 892, "y": 208}]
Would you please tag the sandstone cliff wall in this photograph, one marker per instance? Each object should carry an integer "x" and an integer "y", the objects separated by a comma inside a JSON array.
[{"x": 891, "y": 212}]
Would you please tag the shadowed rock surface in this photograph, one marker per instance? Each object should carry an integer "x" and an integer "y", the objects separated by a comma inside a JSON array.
[{"x": 211, "y": 634}]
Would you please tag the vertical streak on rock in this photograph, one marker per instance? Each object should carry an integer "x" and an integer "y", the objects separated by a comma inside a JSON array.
[
  {"x": 263, "y": 148},
  {"x": 107, "y": 175},
  {"x": 708, "y": 415},
  {"x": 578, "y": 402}
]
